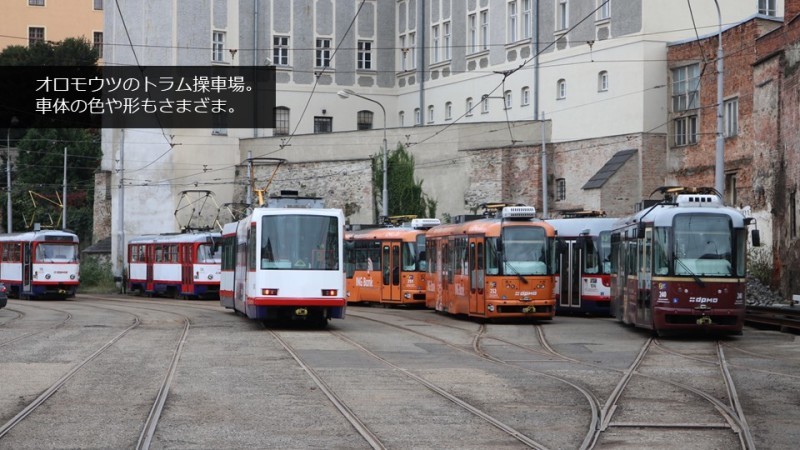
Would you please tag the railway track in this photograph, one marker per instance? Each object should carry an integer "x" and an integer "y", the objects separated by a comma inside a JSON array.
[{"x": 786, "y": 319}]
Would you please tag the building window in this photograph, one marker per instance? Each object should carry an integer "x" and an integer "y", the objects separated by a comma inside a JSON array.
[
  {"x": 98, "y": 5},
  {"x": 323, "y": 124},
  {"x": 603, "y": 9},
  {"x": 507, "y": 99},
  {"x": 35, "y": 2},
  {"x": 97, "y": 43},
  {"x": 731, "y": 117},
  {"x": 685, "y": 87},
  {"x": 446, "y": 44},
  {"x": 365, "y": 55},
  {"x": 562, "y": 21},
  {"x": 217, "y": 46},
  {"x": 35, "y": 34},
  {"x": 685, "y": 130},
  {"x": 484, "y": 104},
  {"x": 448, "y": 110},
  {"x": 403, "y": 54},
  {"x": 435, "y": 43},
  {"x": 730, "y": 188},
  {"x": 469, "y": 106},
  {"x": 561, "y": 189},
  {"x": 417, "y": 117},
  {"x": 561, "y": 89},
  {"x": 526, "y": 19},
  {"x": 430, "y": 113},
  {"x": 512, "y": 21},
  {"x": 472, "y": 29},
  {"x": 401, "y": 117},
  {"x": 364, "y": 120},
  {"x": 766, "y": 7},
  {"x": 602, "y": 81},
  {"x": 485, "y": 29},
  {"x": 219, "y": 124},
  {"x": 412, "y": 44},
  {"x": 281, "y": 121},
  {"x": 525, "y": 96},
  {"x": 323, "y": 56},
  {"x": 280, "y": 50}
]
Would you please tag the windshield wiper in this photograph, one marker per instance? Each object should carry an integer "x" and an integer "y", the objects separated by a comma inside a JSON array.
[
  {"x": 694, "y": 275},
  {"x": 506, "y": 264}
]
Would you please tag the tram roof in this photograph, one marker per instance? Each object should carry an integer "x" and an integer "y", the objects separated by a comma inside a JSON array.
[
  {"x": 406, "y": 234},
  {"x": 577, "y": 226},
  {"x": 41, "y": 235},
  {"x": 489, "y": 227},
  {"x": 663, "y": 215},
  {"x": 176, "y": 238}
]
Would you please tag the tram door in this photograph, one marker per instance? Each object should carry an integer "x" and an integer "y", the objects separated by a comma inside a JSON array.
[
  {"x": 390, "y": 264},
  {"x": 570, "y": 262},
  {"x": 644, "y": 311},
  {"x": 187, "y": 266},
  {"x": 27, "y": 268},
  {"x": 477, "y": 298},
  {"x": 150, "y": 257}
]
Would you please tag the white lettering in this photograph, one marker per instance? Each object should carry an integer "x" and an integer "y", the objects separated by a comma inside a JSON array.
[
  {"x": 363, "y": 282},
  {"x": 703, "y": 300}
]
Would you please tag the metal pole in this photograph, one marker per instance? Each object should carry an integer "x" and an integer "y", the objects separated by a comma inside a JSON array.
[
  {"x": 536, "y": 66},
  {"x": 8, "y": 180},
  {"x": 544, "y": 172},
  {"x": 251, "y": 181},
  {"x": 385, "y": 167},
  {"x": 64, "y": 193},
  {"x": 122, "y": 210},
  {"x": 719, "y": 167}
]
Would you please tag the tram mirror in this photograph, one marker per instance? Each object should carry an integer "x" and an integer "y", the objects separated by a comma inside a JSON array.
[
  {"x": 640, "y": 231},
  {"x": 499, "y": 245},
  {"x": 755, "y": 237}
]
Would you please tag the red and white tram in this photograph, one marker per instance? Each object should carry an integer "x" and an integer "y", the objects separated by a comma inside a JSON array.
[
  {"x": 583, "y": 284},
  {"x": 285, "y": 263},
  {"x": 493, "y": 268},
  {"x": 175, "y": 265},
  {"x": 680, "y": 264},
  {"x": 40, "y": 264}
]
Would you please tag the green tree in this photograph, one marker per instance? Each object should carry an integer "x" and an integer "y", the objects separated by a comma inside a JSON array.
[
  {"x": 40, "y": 168},
  {"x": 69, "y": 52},
  {"x": 406, "y": 196}
]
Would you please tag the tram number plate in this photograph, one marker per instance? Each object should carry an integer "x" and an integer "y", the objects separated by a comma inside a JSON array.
[{"x": 529, "y": 309}]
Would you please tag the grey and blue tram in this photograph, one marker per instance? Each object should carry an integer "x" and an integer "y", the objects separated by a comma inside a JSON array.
[
  {"x": 679, "y": 264},
  {"x": 583, "y": 283}
]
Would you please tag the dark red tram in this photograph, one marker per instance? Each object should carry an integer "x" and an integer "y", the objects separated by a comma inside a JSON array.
[{"x": 680, "y": 264}]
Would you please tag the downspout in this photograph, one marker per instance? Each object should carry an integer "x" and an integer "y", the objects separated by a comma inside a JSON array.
[
  {"x": 536, "y": 65},
  {"x": 255, "y": 48},
  {"x": 421, "y": 60}
]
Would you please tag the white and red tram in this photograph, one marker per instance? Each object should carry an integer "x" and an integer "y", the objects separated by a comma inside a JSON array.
[
  {"x": 40, "y": 264},
  {"x": 285, "y": 263},
  {"x": 175, "y": 265}
]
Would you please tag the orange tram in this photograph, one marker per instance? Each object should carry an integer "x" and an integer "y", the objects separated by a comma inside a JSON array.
[
  {"x": 387, "y": 265},
  {"x": 492, "y": 268}
]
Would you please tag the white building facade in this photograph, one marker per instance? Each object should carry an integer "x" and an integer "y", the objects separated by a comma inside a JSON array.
[{"x": 594, "y": 70}]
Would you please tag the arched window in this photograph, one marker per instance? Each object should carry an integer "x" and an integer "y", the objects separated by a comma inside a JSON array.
[
  {"x": 484, "y": 104},
  {"x": 401, "y": 117},
  {"x": 468, "y": 106},
  {"x": 561, "y": 89},
  {"x": 602, "y": 81},
  {"x": 448, "y": 110},
  {"x": 281, "y": 121},
  {"x": 507, "y": 99},
  {"x": 525, "y": 95},
  {"x": 364, "y": 120}
]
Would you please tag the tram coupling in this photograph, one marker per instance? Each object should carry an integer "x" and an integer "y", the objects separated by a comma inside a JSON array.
[
  {"x": 301, "y": 312},
  {"x": 529, "y": 309},
  {"x": 705, "y": 320}
]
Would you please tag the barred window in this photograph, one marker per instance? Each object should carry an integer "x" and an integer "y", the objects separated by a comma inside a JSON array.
[
  {"x": 365, "y": 120},
  {"x": 281, "y": 121}
]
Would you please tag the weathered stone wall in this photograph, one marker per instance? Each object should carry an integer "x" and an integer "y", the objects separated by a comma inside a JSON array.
[{"x": 101, "y": 227}]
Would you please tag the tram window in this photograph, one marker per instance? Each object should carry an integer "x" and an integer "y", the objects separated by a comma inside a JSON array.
[
  {"x": 492, "y": 261},
  {"x": 159, "y": 254},
  {"x": 591, "y": 263},
  {"x": 660, "y": 257},
  {"x": 409, "y": 256}
]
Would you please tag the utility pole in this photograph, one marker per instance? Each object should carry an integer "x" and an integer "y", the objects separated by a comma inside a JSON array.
[
  {"x": 64, "y": 193},
  {"x": 719, "y": 164}
]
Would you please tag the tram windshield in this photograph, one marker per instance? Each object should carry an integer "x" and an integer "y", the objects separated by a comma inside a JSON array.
[
  {"x": 703, "y": 246},
  {"x": 300, "y": 242},
  {"x": 598, "y": 254},
  {"x": 56, "y": 253},
  {"x": 209, "y": 253},
  {"x": 524, "y": 251}
]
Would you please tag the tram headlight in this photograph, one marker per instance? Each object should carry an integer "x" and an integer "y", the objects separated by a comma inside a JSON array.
[
  {"x": 210, "y": 276},
  {"x": 329, "y": 292},
  {"x": 47, "y": 276},
  {"x": 72, "y": 276},
  {"x": 490, "y": 308},
  {"x": 269, "y": 291}
]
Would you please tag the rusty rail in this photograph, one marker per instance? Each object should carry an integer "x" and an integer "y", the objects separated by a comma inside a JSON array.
[{"x": 785, "y": 318}]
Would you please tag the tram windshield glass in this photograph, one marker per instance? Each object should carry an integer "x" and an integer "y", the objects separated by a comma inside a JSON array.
[
  {"x": 209, "y": 253},
  {"x": 300, "y": 242},
  {"x": 525, "y": 251},
  {"x": 702, "y": 246},
  {"x": 597, "y": 258},
  {"x": 56, "y": 253}
]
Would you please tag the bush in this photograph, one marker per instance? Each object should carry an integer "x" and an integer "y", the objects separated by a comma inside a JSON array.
[
  {"x": 759, "y": 264},
  {"x": 97, "y": 275}
]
